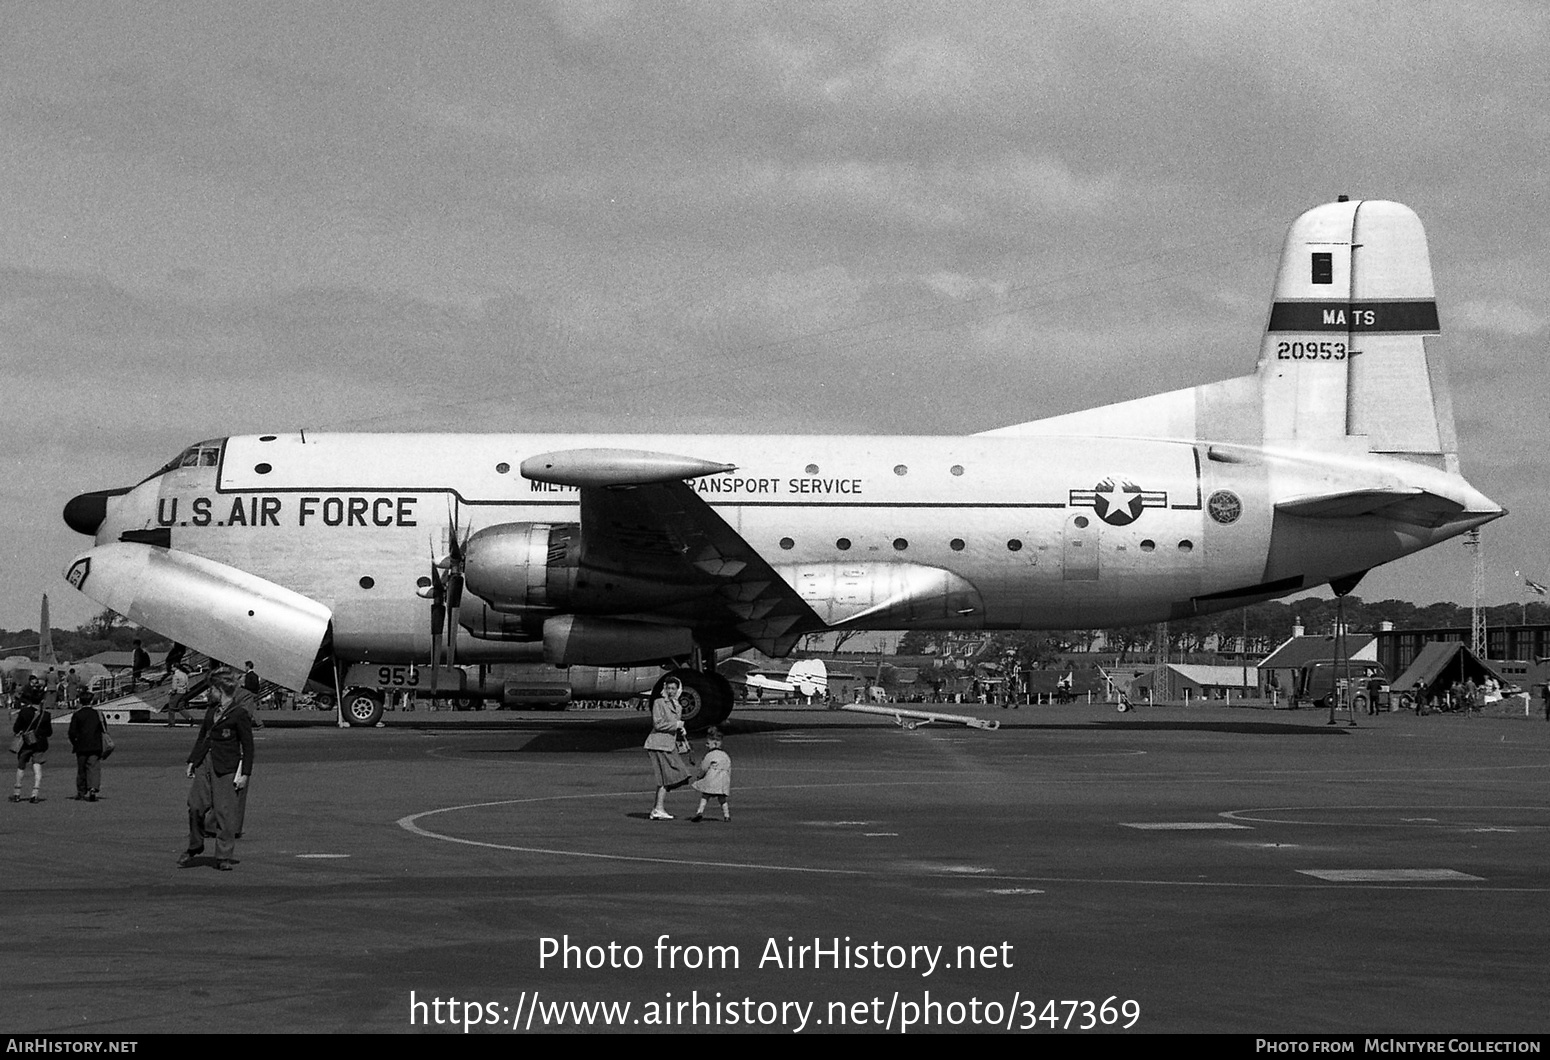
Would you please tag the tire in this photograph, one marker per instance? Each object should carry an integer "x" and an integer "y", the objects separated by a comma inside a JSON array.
[
  {"x": 1406, "y": 702},
  {"x": 362, "y": 706},
  {"x": 1360, "y": 702},
  {"x": 467, "y": 703},
  {"x": 706, "y": 699}
]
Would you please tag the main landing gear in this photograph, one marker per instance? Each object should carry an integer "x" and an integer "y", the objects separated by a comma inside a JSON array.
[{"x": 706, "y": 699}]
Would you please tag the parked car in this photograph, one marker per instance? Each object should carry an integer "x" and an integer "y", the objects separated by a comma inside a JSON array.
[{"x": 1316, "y": 683}]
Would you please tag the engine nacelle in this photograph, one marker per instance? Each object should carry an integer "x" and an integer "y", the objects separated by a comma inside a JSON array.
[
  {"x": 480, "y": 620},
  {"x": 533, "y": 570},
  {"x": 581, "y": 640},
  {"x": 516, "y": 567}
]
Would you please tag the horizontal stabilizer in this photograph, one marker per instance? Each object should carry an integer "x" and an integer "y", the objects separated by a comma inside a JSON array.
[{"x": 1414, "y": 506}]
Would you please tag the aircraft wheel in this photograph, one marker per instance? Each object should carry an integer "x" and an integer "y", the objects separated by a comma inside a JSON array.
[
  {"x": 362, "y": 706},
  {"x": 706, "y": 698},
  {"x": 1359, "y": 703},
  {"x": 1406, "y": 702},
  {"x": 467, "y": 703}
]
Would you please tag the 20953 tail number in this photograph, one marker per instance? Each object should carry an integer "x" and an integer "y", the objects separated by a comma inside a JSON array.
[{"x": 1328, "y": 350}]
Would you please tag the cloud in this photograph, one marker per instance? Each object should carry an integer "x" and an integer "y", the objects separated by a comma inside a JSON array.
[{"x": 1499, "y": 317}]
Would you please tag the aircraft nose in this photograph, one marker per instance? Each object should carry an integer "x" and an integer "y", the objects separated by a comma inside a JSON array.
[{"x": 85, "y": 513}]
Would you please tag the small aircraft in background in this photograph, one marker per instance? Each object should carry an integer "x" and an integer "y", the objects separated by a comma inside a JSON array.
[
  {"x": 325, "y": 557},
  {"x": 807, "y": 678}
]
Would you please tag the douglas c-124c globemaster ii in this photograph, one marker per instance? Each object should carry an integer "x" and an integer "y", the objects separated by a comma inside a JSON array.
[{"x": 318, "y": 555}]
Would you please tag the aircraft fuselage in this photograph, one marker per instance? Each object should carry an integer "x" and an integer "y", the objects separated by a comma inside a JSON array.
[{"x": 1047, "y": 532}]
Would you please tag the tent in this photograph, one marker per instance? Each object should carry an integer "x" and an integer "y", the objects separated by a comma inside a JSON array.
[{"x": 1440, "y": 664}]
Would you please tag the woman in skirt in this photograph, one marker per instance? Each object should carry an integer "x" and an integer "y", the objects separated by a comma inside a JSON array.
[{"x": 667, "y": 729}]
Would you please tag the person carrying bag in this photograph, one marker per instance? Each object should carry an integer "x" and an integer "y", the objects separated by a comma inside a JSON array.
[{"x": 32, "y": 727}]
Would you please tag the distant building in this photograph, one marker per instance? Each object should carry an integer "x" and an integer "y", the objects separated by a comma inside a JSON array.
[
  {"x": 1197, "y": 681},
  {"x": 1280, "y": 667},
  {"x": 1527, "y": 644}
]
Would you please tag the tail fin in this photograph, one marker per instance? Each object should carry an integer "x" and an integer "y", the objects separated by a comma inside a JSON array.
[
  {"x": 1352, "y": 345},
  {"x": 809, "y": 677}
]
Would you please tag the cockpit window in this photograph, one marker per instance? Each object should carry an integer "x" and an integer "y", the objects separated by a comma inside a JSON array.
[{"x": 202, "y": 454}]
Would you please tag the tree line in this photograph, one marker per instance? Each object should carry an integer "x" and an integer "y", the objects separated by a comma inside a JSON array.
[{"x": 104, "y": 631}]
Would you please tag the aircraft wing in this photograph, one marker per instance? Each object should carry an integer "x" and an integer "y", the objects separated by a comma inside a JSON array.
[
  {"x": 1415, "y": 506},
  {"x": 639, "y": 517}
]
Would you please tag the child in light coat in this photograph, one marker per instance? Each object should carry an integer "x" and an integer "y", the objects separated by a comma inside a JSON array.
[{"x": 715, "y": 776}]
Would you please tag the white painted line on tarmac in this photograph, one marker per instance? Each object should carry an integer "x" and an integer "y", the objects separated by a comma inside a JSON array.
[
  {"x": 411, "y": 824},
  {"x": 1388, "y": 875},
  {"x": 1465, "y": 818},
  {"x": 837, "y": 824},
  {"x": 320, "y": 856},
  {"x": 1182, "y": 826}
]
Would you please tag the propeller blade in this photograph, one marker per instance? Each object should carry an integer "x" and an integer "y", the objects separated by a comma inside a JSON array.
[
  {"x": 454, "y": 601},
  {"x": 436, "y": 592}
]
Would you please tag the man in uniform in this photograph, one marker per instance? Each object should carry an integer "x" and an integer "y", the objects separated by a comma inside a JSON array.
[
  {"x": 219, "y": 766},
  {"x": 85, "y": 732}
]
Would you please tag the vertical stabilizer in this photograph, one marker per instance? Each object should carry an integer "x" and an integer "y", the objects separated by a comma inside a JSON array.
[{"x": 1351, "y": 349}]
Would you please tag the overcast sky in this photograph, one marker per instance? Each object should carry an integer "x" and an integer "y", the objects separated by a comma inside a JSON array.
[{"x": 765, "y": 217}]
